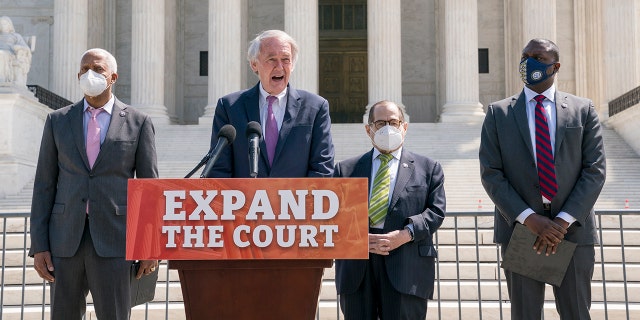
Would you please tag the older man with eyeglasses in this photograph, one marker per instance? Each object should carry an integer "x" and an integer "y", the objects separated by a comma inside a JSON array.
[{"x": 406, "y": 207}]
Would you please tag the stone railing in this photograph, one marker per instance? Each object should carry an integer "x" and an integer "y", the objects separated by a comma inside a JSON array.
[
  {"x": 48, "y": 98},
  {"x": 624, "y": 101}
]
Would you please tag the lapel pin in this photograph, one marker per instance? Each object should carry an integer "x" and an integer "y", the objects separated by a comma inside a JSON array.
[
  {"x": 122, "y": 113},
  {"x": 405, "y": 165}
]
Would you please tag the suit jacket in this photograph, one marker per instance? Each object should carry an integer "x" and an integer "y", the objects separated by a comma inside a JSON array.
[
  {"x": 64, "y": 182},
  {"x": 418, "y": 198},
  {"x": 304, "y": 148},
  {"x": 508, "y": 165}
]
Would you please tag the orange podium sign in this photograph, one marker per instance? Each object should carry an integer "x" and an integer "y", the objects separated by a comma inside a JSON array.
[{"x": 238, "y": 219}]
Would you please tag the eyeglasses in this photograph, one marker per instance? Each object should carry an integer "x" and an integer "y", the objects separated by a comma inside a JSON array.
[{"x": 381, "y": 123}]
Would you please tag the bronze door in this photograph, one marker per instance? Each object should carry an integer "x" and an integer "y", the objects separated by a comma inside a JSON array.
[{"x": 343, "y": 78}]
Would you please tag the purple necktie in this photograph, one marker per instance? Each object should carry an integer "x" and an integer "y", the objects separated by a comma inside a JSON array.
[
  {"x": 93, "y": 139},
  {"x": 271, "y": 131},
  {"x": 93, "y": 136},
  {"x": 544, "y": 153}
]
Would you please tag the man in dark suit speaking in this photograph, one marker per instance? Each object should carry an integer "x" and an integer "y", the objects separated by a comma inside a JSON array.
[
  {"x": 406, "y": 207},
  {"x": 295, "y": 124},
  {"x": 542, "y": 164},
  {"x": 89, "y": 150}
]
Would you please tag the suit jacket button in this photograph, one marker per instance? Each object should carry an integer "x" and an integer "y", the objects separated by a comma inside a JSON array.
[{"x": 84, "y": 199}]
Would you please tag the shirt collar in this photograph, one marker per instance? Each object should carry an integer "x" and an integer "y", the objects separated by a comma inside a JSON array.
[
  {"x": 264, "y": 94},
  {"x": 108, "y": 107},
  {"x": 396, "y": 154},
  {"x": 550, "y": 93}
]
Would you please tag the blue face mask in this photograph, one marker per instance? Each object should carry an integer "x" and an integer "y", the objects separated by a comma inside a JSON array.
[{"x": 533, "y": 71}]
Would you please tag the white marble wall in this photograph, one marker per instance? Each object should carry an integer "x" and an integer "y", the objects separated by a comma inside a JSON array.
[
  {"x": 627, "y": 125},
  {"x": 419, "y": 59},
  {"x": 491, "y": 25},
  {"x": 21, "y": 123},
  {"x": 186, "y": 91}
]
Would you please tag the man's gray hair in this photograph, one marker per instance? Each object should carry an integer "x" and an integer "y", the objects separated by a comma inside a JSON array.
[
  {"x": 254, "y": 45},
  {"x": 111, "y": 60}
]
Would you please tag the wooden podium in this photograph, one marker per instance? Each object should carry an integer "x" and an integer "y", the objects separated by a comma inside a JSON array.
[
  {"x": 250, "y": 289},
  {"x": 248, "y": 248}
]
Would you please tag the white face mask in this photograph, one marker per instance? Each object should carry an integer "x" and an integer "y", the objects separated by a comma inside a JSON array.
[
  {"x": 93, "y": 83},
  {"x": 388, "y": 138}
]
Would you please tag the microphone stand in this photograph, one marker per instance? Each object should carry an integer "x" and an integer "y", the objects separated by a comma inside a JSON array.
[{"x": 202, "y": 163}]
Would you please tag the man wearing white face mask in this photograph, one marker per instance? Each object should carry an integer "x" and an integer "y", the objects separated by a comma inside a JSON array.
[
  {"x": 406, "y": 207},
  {"x": 89, "y": 150}
]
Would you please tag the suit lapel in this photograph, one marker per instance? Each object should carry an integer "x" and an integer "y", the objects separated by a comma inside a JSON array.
[
  {"x": 290, "y": 115},
  {"x": 363, "y": 167},
  {"x": 406, "y": 167},
  {"x": 252, "y": 104},
  {"x": 119, "y": 116},
  {"x": 252, "y": 110},
  {"x": 561, "y": 118},
  {"x": 520, "y": 114},
  {"x": 76, "y": 121}
]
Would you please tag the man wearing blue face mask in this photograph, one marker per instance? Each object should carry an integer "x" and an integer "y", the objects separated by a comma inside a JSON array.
[
  {"x": 88, "y": 152},
  {"x": 542, "y": 163},
  {"x": 406, "y": 207}
]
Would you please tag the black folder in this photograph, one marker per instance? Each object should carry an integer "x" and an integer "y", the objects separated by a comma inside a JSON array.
[
  {"x": 522, "y": 259},
  {"x": 144, "y": 289}
]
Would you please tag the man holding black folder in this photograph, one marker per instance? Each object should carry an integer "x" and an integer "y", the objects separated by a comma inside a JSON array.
[{"x": 542, "y": 163}]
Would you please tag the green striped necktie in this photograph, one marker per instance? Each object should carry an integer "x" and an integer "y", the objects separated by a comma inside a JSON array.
[{"x": 380, "y": 191}]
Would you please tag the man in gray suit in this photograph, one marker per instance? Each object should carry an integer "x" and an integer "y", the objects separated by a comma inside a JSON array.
[
  {"x": 79, "y": 208},
  {"x": 546, "y": 179},
  {"x": 408, "y": 190}
]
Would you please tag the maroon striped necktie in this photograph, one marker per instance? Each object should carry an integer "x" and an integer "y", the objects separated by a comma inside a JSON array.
[{"x": 544, "y": 153}]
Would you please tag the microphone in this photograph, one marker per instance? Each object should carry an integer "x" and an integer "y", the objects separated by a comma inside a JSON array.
[
  {"x": 225, "y": 137},
  {"x": 254, "y": 133}
]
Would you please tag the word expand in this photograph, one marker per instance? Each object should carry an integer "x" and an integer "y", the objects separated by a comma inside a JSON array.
[{"x": 260, "y": 208}]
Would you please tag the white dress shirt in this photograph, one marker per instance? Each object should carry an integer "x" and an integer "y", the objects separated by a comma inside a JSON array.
[
  {"x": 278, "y": 108},
  {"x": 549, "y": 105}
]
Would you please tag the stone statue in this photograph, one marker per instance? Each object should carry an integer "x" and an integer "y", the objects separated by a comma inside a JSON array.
[{"x": 15, "y": 54}]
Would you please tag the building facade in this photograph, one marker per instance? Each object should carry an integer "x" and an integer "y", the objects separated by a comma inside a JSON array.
[{"x": 443, "y": 59}]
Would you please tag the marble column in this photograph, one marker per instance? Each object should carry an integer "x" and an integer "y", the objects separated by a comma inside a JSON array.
[
  {"x": 97, "y": 28},
  {"x": 621, "y": 47},
  {"x": 110, "y": 26},
  {"x": 225, "y": 53},
  {"x": 101, "y": 31},
  {"x": 384, "y": 50},
  {"x": 525, "y": 20},
  {"x": 148, "y": 59},
  {"x": 589, "y": 63},
  {"x": 70, "y": 30},
  {"x": 301, "y": 23},
  {"x": 460, "y": 42}
]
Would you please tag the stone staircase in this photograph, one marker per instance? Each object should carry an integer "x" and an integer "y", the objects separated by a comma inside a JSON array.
[{"x": 468, "y": 275}]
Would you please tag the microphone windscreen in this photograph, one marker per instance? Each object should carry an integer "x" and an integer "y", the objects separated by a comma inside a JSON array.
[
  {"x": 254, "y": 128},
  {"x": 229, "y": 132}
]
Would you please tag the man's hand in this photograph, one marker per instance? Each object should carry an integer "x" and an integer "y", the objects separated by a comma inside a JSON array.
[
  {"x": 550, "y": 232},
  {"x": 146, "y": 267},
  {"x": 43, "y": 265},
  {"x": 382, "y": 244}
]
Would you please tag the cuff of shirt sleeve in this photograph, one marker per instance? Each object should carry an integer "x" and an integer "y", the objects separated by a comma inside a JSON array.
[
  {"x": 566, "y": 217},
  {"x": 409, "y": 228},
  {"x": 524, "y": 215}
]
